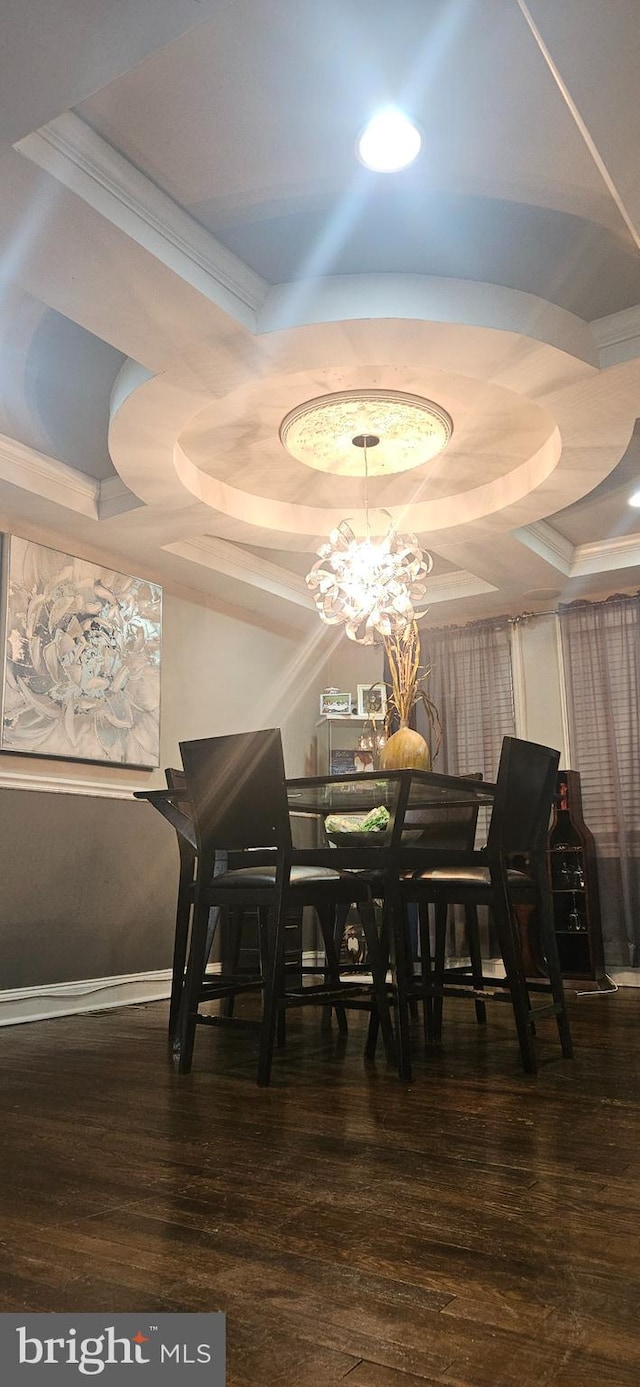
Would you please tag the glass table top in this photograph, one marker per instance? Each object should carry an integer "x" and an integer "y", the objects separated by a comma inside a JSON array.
[
  {"x": 345, "y": 794},
  {"x": 423, "y": 809}
]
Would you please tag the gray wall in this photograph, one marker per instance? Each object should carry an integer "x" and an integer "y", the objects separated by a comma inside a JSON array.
[
  {"x": 89, "y": 882},
  {"x": 88, "y": 888}
]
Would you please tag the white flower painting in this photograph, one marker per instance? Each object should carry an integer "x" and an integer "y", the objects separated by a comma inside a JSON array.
[{"x": 81, "y": 673}]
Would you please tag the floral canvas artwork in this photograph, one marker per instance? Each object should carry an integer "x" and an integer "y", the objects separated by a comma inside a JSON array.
[{"x": 81, "y": 677}]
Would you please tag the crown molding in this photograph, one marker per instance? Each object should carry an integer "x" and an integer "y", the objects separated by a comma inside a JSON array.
[
  {"x": 115, "y": 498},
  {"x": 617, "y": 337},
  {"x": 548, "y": 544},
  {"x": 451, "y": 587},
  {"x": 606, "y": 556},
  {"x": 46, "y": 477},
  {"x": 77, "y": 157},
  {"x": 234, "y": 562},
  {"x": 580, "y": 560}
]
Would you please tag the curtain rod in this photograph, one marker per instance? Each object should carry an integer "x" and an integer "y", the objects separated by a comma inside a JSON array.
[
  {"x": 530, "y": 616},
  {"x": 578, "y": 602},
  {"x": 504, "y": 619}
]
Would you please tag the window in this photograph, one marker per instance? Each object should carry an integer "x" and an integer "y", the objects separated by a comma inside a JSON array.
[{"x": 601, "y": 656}]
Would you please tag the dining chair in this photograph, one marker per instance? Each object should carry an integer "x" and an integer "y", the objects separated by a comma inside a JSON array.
[
  {"x": 238, "y": 795},
  {"x": 436, "y": 830},
  {"x": 517, "y": 833},
  {"x": 230, "y": 931},
  {"x": 451, "y": 828}
]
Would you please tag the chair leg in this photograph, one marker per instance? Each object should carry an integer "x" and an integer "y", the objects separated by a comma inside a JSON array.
[
  {"x": 439, "y": 961},
  {"x": 185, "y": 1031},
  {"x": 328, "y": 927},
  {"x": 412, "y": 952},
  {"x": 510, "y": 950},
  {"x": 274, "y": 986},
  {"x": 340, "y": 920},
  {"x": 382, "y": 940},
  {"x": 550, "y": 945},
  {"x": 394, "y": 907},
  {"x": 264, "y": 945},
  {"x": 426, "y": 971},
  {"x": 377, "y": 957},
  {"x": 230, "y": 953},
  {"x": 179, "y": 950},
  {"x": 473, "y": 936}
]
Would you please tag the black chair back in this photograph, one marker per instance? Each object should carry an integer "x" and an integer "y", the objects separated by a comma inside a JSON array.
[
  {"x": 524, "y": 795},
  {"x": 446, "y": 827},
  {"x": 238, "y": 792}
]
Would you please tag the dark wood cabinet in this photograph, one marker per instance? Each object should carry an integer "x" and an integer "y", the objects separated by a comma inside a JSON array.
[{"x": 573, "y": 872}]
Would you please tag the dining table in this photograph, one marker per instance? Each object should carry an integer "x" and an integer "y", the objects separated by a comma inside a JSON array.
[
  {"x": 418, "y": 803},
  {"x": 417, "y": 828},
  {"x": 402, "y": 793}
]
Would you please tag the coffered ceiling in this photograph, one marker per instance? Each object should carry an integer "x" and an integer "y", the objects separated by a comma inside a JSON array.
[{"x": 190, "y": 249}]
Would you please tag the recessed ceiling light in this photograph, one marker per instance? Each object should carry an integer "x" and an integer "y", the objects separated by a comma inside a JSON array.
[
  {"x": 635, "y": 499},
  {"x": 389, "y": 142}
]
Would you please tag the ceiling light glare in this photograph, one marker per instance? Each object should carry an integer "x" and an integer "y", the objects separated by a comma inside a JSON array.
[
  {"x": 635, "y": 499},
  {"x": 389, "y": 142}
]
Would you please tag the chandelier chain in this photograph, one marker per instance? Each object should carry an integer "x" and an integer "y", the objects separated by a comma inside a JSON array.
[{"x": 366, "y": 490}]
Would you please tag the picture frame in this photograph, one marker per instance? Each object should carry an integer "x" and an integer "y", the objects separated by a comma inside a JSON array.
[
  {"x": 347, "y": 762},
  {"x": 353, "y": 946},
  {"x": 342, "y": 761},
  {"x": 372, "y": 701},
  {"x": 81, "y": 651},
  {"x": 363, "y": 762},
  {"x": 335, "y": 704}
]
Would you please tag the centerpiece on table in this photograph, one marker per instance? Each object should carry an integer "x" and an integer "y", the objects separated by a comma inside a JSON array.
[{"x": 407, "y": 748}]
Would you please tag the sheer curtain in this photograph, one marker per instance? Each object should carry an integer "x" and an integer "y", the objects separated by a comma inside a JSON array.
[
  {"x": 471, "y": 685},
  {"x": 601, "y": 657}
]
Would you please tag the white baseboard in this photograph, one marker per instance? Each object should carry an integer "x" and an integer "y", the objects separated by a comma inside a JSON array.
[
  {"x": 92, "y": 994},
  {"x": 622, "y": 977}
]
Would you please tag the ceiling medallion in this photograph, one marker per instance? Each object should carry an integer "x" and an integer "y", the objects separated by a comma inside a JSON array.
[
  {"x": 369, "y": 585},
  {"x": 411, "y": 430}
]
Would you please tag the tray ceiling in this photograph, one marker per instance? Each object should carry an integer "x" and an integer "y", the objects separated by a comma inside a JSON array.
[{"x": 190, "y": 250}]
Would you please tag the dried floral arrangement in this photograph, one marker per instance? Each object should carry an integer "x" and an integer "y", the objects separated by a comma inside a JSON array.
[{"x": 408, "y": 678}]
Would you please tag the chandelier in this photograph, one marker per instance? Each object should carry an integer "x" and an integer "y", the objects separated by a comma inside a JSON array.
[{"x": 370, "y": 585}]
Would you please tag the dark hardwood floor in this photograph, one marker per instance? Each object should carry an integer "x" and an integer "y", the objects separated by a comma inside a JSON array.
[{"x": 478, "y": 1228}]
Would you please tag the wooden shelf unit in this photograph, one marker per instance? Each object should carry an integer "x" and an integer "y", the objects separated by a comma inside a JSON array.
[
  {"x": 338, "y": 735},
  {"x": 573, "y": 873}
]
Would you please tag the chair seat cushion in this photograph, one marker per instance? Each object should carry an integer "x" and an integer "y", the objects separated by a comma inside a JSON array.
[
  {"x": 265, "y": 876},
  {"x": 471, "y": 876}
]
